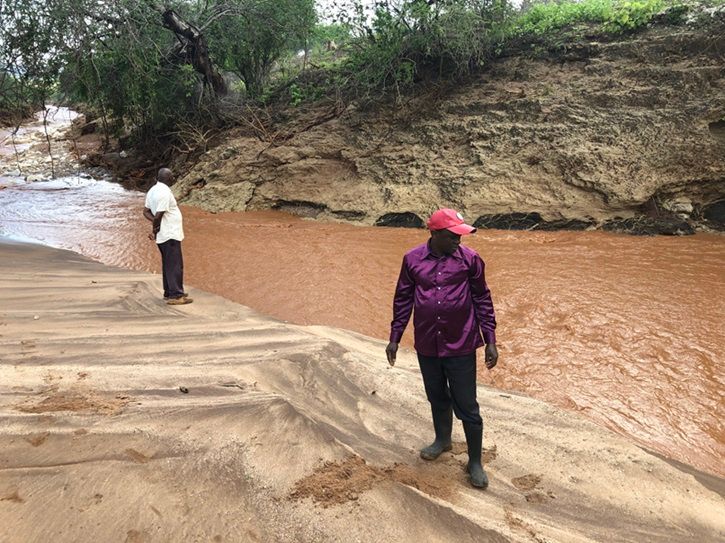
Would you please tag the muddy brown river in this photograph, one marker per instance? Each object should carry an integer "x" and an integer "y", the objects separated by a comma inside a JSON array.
[{"x": 625, "y": 330}]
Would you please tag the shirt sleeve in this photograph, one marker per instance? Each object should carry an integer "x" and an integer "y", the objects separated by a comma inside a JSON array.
[
  {"x": 482, "y": 302},
  {"x": 164, "y": 202},
  {"x": 402, "y": 303}
]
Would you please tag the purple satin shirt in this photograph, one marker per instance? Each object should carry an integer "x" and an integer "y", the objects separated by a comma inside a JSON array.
[{"x": 452, "y": 303}]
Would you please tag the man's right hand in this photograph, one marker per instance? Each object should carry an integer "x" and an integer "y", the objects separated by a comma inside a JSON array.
[{"x": 391, "y": 350}]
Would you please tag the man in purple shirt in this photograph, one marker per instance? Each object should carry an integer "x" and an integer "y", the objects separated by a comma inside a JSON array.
[{"x": 444, "y": 282}]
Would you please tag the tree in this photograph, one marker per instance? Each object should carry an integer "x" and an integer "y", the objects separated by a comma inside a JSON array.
[
  {"x": 30, "y": 60},
  {"x": 255, "y": 33}
]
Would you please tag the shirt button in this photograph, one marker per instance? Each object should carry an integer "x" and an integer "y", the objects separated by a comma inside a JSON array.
[
  {"x": 438, "y": 318},
  {"x": 439, "y": 331},
  {"x": 439, "y": 273},
  {"x": 439, "y": 288},
  {"x": 439, "y": 301}
]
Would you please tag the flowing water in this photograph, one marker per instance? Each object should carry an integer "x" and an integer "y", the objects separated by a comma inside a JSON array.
[{"x": 625, "y": 330}]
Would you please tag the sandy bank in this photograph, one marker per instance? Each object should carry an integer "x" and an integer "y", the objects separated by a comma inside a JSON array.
[{"x": 286, "y": 433}]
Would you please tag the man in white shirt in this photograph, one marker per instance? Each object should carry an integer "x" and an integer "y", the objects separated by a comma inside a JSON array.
[{"x": 168, "y": 232}]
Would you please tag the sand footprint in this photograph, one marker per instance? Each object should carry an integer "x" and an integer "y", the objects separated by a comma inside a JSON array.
[
  {"x": 530, "y": 485},
  {"x": 36, "y": 440}
]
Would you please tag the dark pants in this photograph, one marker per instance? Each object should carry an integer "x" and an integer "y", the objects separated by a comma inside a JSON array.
[
  {"x": 451, "y": 380},
  {"x": 172, "y": 268}
]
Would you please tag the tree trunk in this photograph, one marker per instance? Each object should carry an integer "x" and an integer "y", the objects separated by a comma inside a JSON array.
[{"x": 197, "y": 51}]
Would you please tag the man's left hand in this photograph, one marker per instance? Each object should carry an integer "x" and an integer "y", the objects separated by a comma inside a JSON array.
[{"x": 491, "y": 355}]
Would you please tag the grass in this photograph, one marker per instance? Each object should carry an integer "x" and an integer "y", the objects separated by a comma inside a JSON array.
[{"x": 614, "y": 16}]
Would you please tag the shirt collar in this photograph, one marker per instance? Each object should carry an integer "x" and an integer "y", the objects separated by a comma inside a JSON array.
[{"x": 428, "y": 254}]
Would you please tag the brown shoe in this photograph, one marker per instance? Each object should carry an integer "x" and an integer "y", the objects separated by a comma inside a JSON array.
[{"x": 179, "y": 301}]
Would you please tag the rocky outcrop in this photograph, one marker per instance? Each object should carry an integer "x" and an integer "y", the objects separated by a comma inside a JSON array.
[
  {"x": 530, "y": 221},
  {"x": 570, "y": 140},
  {"x": 403, "y": 220},
  {"x": 714, "y": 215}
]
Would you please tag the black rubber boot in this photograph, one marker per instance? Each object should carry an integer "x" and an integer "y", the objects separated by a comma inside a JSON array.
[
  {"x": 474, "y": 440},
  {"x": 443, "y": 426}
]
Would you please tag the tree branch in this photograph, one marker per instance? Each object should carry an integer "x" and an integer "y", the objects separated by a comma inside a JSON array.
[{"x": 197, "y": 50}]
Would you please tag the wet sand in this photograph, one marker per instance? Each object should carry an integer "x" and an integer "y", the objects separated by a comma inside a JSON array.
[{"x": 286, "y": 433}]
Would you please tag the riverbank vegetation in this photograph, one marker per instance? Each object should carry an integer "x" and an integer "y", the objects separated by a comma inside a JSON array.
[
  {"x": 170, "y": 75},
  {"x": 399, "y": 47}
]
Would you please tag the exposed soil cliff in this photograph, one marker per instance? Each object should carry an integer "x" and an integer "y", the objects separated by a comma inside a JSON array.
[{"x": 626, "y": 134}]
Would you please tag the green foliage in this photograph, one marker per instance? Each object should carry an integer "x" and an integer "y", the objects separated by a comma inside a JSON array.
[
  {"x": 116, "y": 57},
  {"x": 130, "y": 73},
  {"x": 327, "y": 44},
  {"x": 120, "y": 58},
  {"x": 630, "y": 15},
  {"x": 29, "y": 60},
  {"x": 401, "y": 43},
  {"x": 249, "y": 42},
  {"x": 301, "y": 92},
  {"x": 415, "y": 39},
  {"x": 16, "y": 101},
  {"x": 323, "y": 33},
  {"x": 613, "y": 15}
]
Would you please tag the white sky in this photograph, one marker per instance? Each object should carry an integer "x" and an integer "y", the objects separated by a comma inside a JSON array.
[{"x": 327, "y": 9}]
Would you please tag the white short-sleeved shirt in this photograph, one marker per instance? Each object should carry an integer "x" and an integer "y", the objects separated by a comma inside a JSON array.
[{"x": 160, "y": 198}]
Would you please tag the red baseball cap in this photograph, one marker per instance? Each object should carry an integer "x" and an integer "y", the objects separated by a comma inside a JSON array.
[{"x": 450, "y": 219}]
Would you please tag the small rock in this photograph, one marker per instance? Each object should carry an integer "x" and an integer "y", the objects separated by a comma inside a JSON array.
[
  {"x": 184, "y": 390},
  {"x": 681, "y": 206},
  {"x": 36, "y": 317},
  {"x": 406, "y": 219}
]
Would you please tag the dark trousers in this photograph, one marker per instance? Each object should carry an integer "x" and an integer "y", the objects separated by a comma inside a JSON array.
[
  {"x": 172, "y": 268},
  {"x": 451, "y": 381}
]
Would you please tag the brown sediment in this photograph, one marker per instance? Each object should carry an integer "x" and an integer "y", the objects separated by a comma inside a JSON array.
[
  {"x": 12, "y": 497},
  {"x": 335, "y": 483},
  {"x": 37, "y": 440},
  {"x": 518, "y": 524},
  {"x": 137, "y": 457},
  {"x": 74, "y": 400},
  {"x": 526, "y": 482}
]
